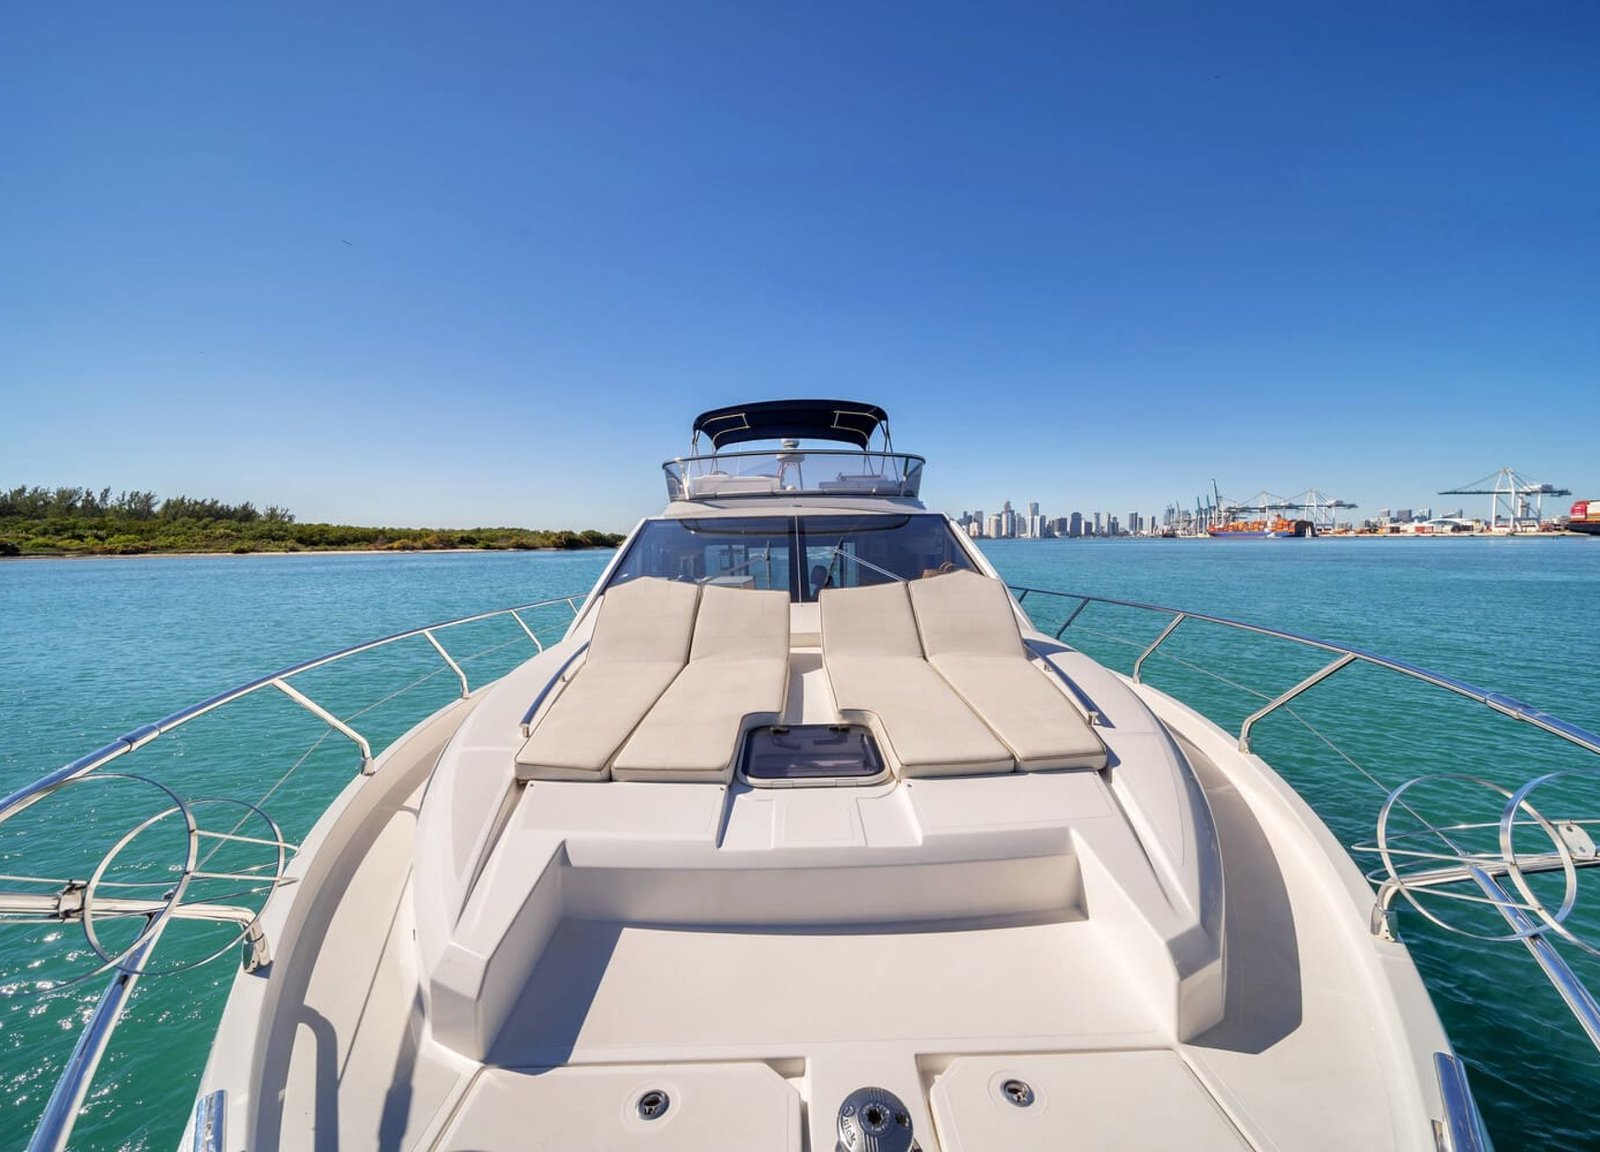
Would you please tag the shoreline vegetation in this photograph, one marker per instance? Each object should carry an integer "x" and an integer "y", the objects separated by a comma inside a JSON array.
[{"x": 83, "y": 522}]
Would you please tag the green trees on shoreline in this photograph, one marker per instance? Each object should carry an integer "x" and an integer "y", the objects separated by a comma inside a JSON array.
[{"x": 82, "y": 522}]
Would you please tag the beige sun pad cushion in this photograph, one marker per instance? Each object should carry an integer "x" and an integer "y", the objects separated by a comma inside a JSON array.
[
  {"x": 875, "y": 665},
  {"x": 970, "y": 634},
  {"x": 737, "y": 675},
  {"x": 639, "y": 645}
]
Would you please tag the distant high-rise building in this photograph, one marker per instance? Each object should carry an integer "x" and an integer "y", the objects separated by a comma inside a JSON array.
[
  {"x": 1133, "y": 523},
  {"x": 1113, "y": 527},
  {"x": 992, "y": 528},
  {"x": 1008, "y": 521},
  {"x": 1097, "y": 523},
  {"x": 1075, "y": 525}
]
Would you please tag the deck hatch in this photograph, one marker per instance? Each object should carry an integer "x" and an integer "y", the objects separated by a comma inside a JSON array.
[{"x": 810, "y": 752}]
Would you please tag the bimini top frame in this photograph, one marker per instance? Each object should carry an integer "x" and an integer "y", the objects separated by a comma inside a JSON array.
[
  {"x": 845, "y": 421},
  {"x": 790, "y": 469}
]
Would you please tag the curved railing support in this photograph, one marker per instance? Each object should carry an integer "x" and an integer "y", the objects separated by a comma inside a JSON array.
[
  {"x": 1310, "y": 681},
  {"x": 1172, "y": 626},
  {"x": 1071, "y": 616},
  {"x": 328, "y": 718},
  {"x": 524, "y": 625},
  {"x": 448, "y": 659}
]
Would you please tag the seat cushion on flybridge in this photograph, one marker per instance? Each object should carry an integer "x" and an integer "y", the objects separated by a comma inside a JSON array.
[
  {"x": 737, "y": 675},
  {"x": 718, "y": 485},
  {"x": 639, "y": 645},
  {"x": 969, "y": 631},
  {"x": 875, "y": 664}
]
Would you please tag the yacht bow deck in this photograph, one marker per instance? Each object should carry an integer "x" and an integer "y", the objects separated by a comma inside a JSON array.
[
  {"x": 755, "y": 998},
  {"x": 597, "y": 930},
  {"x": 799, "y": 830},
  {"x": 757, "y": 953}
]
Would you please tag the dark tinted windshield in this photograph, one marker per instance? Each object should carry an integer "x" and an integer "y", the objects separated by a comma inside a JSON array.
[{"x": 799, "y": 554}]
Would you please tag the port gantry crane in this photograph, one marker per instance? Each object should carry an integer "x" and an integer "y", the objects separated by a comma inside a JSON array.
[
  {"x": 1508, "y": 494},
  {"x": 1320, "y": 509},
  {"x": 1314, "y": 507}
]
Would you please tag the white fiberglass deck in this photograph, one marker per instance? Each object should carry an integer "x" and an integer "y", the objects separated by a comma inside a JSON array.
[
  {"x": 925, "y": 1012},
  {"x": 759, "y": 953}
]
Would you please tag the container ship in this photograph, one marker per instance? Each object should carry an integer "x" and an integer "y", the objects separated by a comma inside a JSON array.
[
  {"x": 1276, "y": 528},
  {"x": 1585, "y": 517},
  {"x": 1267, "y": 524}
]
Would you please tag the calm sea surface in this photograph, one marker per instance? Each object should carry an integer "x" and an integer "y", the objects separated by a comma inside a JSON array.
[{"x": 92, "y": 648}]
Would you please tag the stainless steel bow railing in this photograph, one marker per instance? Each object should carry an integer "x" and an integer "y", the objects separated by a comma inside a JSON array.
[
  {"x": 76, "y": 900},
  {"x": 1344, "y": 655},
  {"x": 1407, "y": 871}
]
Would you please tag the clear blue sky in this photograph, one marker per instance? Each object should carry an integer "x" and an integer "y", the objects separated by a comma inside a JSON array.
[{"x": 459, "y": 264}]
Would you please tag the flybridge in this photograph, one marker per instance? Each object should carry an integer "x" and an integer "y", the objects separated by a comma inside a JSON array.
[{"x": 866, "y": 469}]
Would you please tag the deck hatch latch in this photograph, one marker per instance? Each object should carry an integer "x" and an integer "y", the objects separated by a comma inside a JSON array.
[
  {"x": 1019, "y": 1092},
  {"x": 874, "y": 1120},
  {"x": 653, "y": 1104}
]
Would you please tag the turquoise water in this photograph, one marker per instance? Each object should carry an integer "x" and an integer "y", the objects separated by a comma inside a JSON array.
[{"x": 91, "y": 648}]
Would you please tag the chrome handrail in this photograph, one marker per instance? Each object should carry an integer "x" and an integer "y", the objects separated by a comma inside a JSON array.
[
  {"x": 1462, "y": 1122},
  {"x": 1583, "y": 1005},
  {"x": 138, "y": 737},
  {"x": 770, "y": 453},
  {"x": 66, "y": 1098},
  {"x": 61, "y": 1112},
  {"x": 1345, "y": 655},
  {"x": 549, "y": 686},
  {"x": 903, "y": 468}
]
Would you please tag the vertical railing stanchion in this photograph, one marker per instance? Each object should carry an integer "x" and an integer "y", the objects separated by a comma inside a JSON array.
[
  {"x": 1312, "y": 680},
  {"x": 1083, "y": 602},
  {"x": 526, "y": 629},
  {"x": 454, "y": 667},
  {"x": 1165, "y": 632},
  {"x": 329, "y": 719}
]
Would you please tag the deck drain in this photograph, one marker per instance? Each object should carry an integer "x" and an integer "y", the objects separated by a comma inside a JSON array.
[
  {"x": 874, "y": 1120},
  {"x": 653, "y": 1104},
  {"x": 1018, "y": 1092}
]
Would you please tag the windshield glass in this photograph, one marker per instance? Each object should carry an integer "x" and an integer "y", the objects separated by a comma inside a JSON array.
[{"x": 799, "y": 554}]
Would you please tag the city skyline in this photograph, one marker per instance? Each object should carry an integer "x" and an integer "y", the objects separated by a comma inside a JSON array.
[{"x": 1006, "y": 524}]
